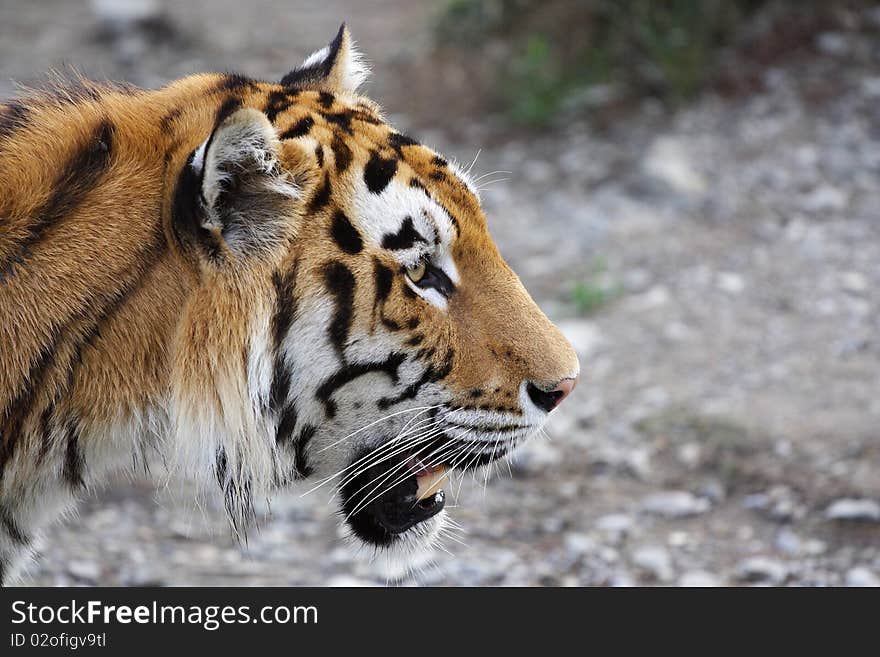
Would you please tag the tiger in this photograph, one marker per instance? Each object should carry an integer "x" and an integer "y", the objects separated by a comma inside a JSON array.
[{"x": 263, "y": 284}]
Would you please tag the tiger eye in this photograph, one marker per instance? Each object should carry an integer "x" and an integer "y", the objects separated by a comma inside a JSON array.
[{"x": 416, "y": 272}]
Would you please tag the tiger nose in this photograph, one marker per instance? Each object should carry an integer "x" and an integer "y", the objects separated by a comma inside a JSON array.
[{"x": 550, "y": 399}]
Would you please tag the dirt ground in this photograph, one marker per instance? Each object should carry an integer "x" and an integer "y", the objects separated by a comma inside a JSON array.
[{"x": 725, "y": 430}]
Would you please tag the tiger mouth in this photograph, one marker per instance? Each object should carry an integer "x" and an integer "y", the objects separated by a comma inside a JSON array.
[{"x": 396, "y": 495}]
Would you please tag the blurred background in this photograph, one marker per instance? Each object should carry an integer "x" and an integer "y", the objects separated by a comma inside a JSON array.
[{"x": 691, "y": 188}]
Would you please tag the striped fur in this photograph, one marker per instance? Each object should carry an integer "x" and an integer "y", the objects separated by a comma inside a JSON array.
[{"x": 216, "y": 270}]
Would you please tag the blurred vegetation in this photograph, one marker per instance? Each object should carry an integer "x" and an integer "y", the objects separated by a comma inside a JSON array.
[
  {"x": 595, "y": 290},
  {"x": 547, "y": 56}
]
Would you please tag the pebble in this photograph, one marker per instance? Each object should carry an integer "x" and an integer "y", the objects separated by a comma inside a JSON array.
[
  {"x": 699, "y": 578},
  {"x": 668, "y": 160},
  {"x": 655, "y": 561},
  {"x": 578, "y": 544},
  {"x": 855, "y": 510},
  {"x": 730, "y": 282},
  {"x": 823, "y": 199},
  {"x": 615, "y": 526},
  {"x": 862, "y": 577},
  {"x": 761, "y": 570},
  {"x": 84, "y": 570},
  {"x": 674, "y": 504}
]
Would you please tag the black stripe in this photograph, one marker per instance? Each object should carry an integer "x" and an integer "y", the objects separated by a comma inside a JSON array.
[
  {"x": 46, "y": 430},
  {"x": 302, "y": 442},
  {"x": 341, "y": 119},
  {"x": 353, "y": 371},
  {"x": 319, "y": 155},
  {"x": 72, "y": 470},
  {"x": 384, "y": 277},
  {"x": 431, "y": 375},
  {"x": 345, "y": 234},
  {"x": 282, "y": 319},
  {"x": 77, "y": 179},
  {"x": 285, "y": 302},
  {"x": 397, "y": 141},
  {"x": 326, "y": 99},
  {"x": 235, "y": 82},
  {"x": 403, "y": 239},
  {"x": 299, "y": 129},
  {"x": 167, "y": 121},
  {"x": 451, "y": 217},
  {"x": 415, "y": 183},
  {"x": 20, "y": 408},
  {"x": 13, "y": 116},
  {"x": 379, "y": 172},
  {"x": 12, "y": 529},
  {"x": 321, "y": 196},
  {"x": 237, "y": 498},
  {"x": 341, "y": 283},
  {"x": 278, "y": 101},
  {"x": 341, "y": 154},
  {"x": 286, "y": 425}
]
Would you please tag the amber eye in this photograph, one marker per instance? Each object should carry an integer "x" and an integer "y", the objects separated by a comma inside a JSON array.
[{"x": 417, "y": 272}]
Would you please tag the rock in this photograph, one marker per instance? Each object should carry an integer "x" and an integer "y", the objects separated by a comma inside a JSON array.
[
  {"x": 832, "y": 43},
  {"x": 689, "y": 454},
  {"x": 862, "y": 577},
  {"x": 84, "y": 570},
  {"x": 656, "y": 297},
  {"x": 780, "y": 503},
  {"x": 698, "y": 578},
  {"x": 637, "y": 280},
  {"x": 667, "y": 160},
  {"x": 615, "y": 526},
  {"x": 730, "y": 282},
  {"x": 655, "y": 561},
  {"x": 823, "y": 199},
  {"x": 347, "y": 581},
  {"x": 761, "y": 570},
  {"x": 792, "y": 544},
  {"x": 853, "y": 282},
  {"x": 674, "y": 504},
  {"x": 578, "y": 544},
  {"x": 125, "y": 12},
  {"x": 854, "y": 510}
]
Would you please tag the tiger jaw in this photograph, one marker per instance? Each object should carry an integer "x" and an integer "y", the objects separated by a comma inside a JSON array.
[{"x": 395, "y": 490}]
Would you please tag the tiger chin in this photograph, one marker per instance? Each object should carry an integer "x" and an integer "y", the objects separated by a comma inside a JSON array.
[{"x": 265, "y": 284}]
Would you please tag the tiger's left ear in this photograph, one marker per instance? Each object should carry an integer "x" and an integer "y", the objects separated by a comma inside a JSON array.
[
  {"x": 336, "y": 68},
  {"x": 246, "y": 201}
]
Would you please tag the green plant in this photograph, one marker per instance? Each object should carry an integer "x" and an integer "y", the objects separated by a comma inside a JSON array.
[
  {"x": 589, "y": 297},
  {"x": 554, "y": 50},
  {"x": 595, "y": 290}
]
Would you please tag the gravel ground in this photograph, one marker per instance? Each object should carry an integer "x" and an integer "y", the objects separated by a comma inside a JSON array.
[{"x": 725, "y": 429}]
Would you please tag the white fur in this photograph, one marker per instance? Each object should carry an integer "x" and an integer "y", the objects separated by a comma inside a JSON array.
[
  {"x": 351, "y": 65},
  {"x": 383, "y": 213}
]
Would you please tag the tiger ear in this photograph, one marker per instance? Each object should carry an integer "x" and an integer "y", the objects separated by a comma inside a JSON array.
[
  {"x": 335, "y": 68},
  {"x": 247, "y": 199}
]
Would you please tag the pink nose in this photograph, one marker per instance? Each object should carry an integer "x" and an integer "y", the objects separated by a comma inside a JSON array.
[
  {"x": 550, "y": 399},
  {"x": 564, "y": 389}
]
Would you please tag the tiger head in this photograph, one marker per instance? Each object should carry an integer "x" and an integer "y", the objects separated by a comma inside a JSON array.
[{"x": 386, "y": 339}]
